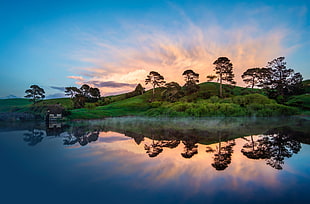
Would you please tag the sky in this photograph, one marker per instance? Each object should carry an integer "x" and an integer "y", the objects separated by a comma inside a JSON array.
[{"x": 113, "y": 45}]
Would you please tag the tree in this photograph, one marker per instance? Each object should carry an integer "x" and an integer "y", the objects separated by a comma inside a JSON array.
[
  {"x": 190, "y": 76},
  {"x": 94, "y": 93},
  {"x": 282, "y": 81},
  {"x": 79, "y": 101},
  {"x": 211, "y": 77},
  {"x": 139, "y": 90},
  {"x": 224, "y": 70},
  {"x": 85, "y": 89},
  {"x": 172, "y": 92},
  {"x": 255, "y": 76},
  {"x": 155, "y": 79},
  {"x": 72, "y": 91},
  {"x": 191, "y": 79},
  {"x": 35, "y": 93}
]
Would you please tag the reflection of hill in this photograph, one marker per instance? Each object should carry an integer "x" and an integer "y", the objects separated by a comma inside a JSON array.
[{"x": 206, "y": 130}]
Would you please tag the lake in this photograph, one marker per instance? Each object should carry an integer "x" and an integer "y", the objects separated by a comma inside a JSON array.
[{"x": 149, "y": 160}]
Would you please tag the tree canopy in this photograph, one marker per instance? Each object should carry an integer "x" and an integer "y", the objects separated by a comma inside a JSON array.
[
  {"x": 224, "y": 71},
  {"x": 281, "y": 81},
  {"x": 255, "y": 76},
  {"x": 155, "y": 79},
  {"x": 35, "y": 93}
]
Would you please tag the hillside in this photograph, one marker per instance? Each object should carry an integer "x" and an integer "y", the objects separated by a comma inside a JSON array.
[{"x": 238, "y": 101}]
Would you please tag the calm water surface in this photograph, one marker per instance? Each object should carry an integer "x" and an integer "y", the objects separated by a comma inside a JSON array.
[{"x": 144, "y": 160}]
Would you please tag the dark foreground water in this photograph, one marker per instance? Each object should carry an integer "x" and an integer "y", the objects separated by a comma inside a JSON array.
[{"x": 140, "y": 160}]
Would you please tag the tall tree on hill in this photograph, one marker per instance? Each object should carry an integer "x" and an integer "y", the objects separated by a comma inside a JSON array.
[
  {"x": 190, "y": 76},
  {"x": 255, "y": 76},
  {"x": 35, "y": 93},
  {"x": 72, "y": 91},
  {"x": 94, "y": 93},
  {"x": 155, "y": 79},
  {"x": 224, "y": 71},
  {"x": 85, "y": 89},
  {"x": 191, "y": 79},
  {"x": 282, "y": 81},
  {"x": 172, "y": 92}
]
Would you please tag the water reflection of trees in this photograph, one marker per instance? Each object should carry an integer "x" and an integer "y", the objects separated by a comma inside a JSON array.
[
  {"x": 190, "y": 146},
  {"x": 274, "y": 146},
  {"x": 223, "y": 152},
  {"x": 81, "y": 135},
  {"x": 156, "y": 147},
  {"x": 33, "y": 137}
]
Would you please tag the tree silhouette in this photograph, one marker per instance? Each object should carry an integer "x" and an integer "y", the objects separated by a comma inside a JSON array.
[
  {"x": 282, "y": 145},
  {"x": 190, "y": 147},
  {"x": 256, "y": 149},
  {"x": 172, "y": 92},
  {"x": 155, "y": 79},
  {"x": 94, "y": 93},
  {"x": 82, "y": 136},
  {"x": 274, "y": 146},
  {"x": 281, "y": 81},
  {"x": 222, "y": 153},
  {"x": 35, "y": 93},
  {"x": 191, "y": 79},
  {"x": 153, "y": 149},
  {"x": 224, "y": 70},
  {"x": 72, "y": 91},
  {"x": 85, "y": 89},
  {"x": 190, "y": 76},
  {"x": 254, "y": 76}
]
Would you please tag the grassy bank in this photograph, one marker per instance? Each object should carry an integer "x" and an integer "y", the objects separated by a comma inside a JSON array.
[{"x": 238, "y": 101}]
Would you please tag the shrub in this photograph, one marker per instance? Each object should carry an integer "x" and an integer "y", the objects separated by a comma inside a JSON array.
[{"x": 90, "y": 106}]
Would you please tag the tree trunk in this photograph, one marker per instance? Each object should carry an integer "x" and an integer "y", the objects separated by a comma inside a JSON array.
[{"x": 221, "y": 87}]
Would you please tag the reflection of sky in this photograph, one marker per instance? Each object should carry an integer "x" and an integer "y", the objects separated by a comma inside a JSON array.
[
  {"x": 114, "y": 167},
  {"x": 170, "y": 168}
]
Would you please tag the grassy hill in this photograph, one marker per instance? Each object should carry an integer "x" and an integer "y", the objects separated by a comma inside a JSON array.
[{"x": 238, "y": 101}]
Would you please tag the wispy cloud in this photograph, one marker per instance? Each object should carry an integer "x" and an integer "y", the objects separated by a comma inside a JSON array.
[
  {"x": 111, "y": 84},
  {"x": 58, "y": 88},
  {"x": 129, "y": 58},
  {"x": 56, "y": 95}
]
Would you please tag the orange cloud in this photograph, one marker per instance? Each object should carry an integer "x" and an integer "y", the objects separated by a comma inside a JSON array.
[{"x": 170, "y": 53}]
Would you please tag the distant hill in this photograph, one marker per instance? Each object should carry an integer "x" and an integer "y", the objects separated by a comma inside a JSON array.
[{"x": 9, "y": 97}]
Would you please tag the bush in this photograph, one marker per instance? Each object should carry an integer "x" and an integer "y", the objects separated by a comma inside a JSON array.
[
  {"x": 90, "y": 106},
  {"x": 251, "y": 99},
  {"x": 214, "y": 99}
]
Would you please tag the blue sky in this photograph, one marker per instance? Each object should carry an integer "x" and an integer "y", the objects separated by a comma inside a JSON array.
[{"x": 112, "y": 45}]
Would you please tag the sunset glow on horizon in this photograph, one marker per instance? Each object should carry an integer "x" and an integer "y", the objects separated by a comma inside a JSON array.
[{"x": 113, "y": 46}]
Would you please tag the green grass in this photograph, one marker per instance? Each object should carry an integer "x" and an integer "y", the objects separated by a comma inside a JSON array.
[
  {"x": 238, "y": 101},
  {"x": 301, "y": 101},
  {"x": 8, "y": 105},
  {"x": 65, "y": 102}
]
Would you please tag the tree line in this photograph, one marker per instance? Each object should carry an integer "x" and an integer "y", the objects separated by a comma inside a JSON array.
[{"x": 276, "y": 79}]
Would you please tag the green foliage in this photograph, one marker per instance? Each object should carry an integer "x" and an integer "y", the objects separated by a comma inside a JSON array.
[
  {"x": 302, "y": 101},
  {"x": 306, "y": 85},
  {"x": 90, "y": 106},
  {"x": 250, "y": 99},
  {"x": 35, "y": 93}
]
